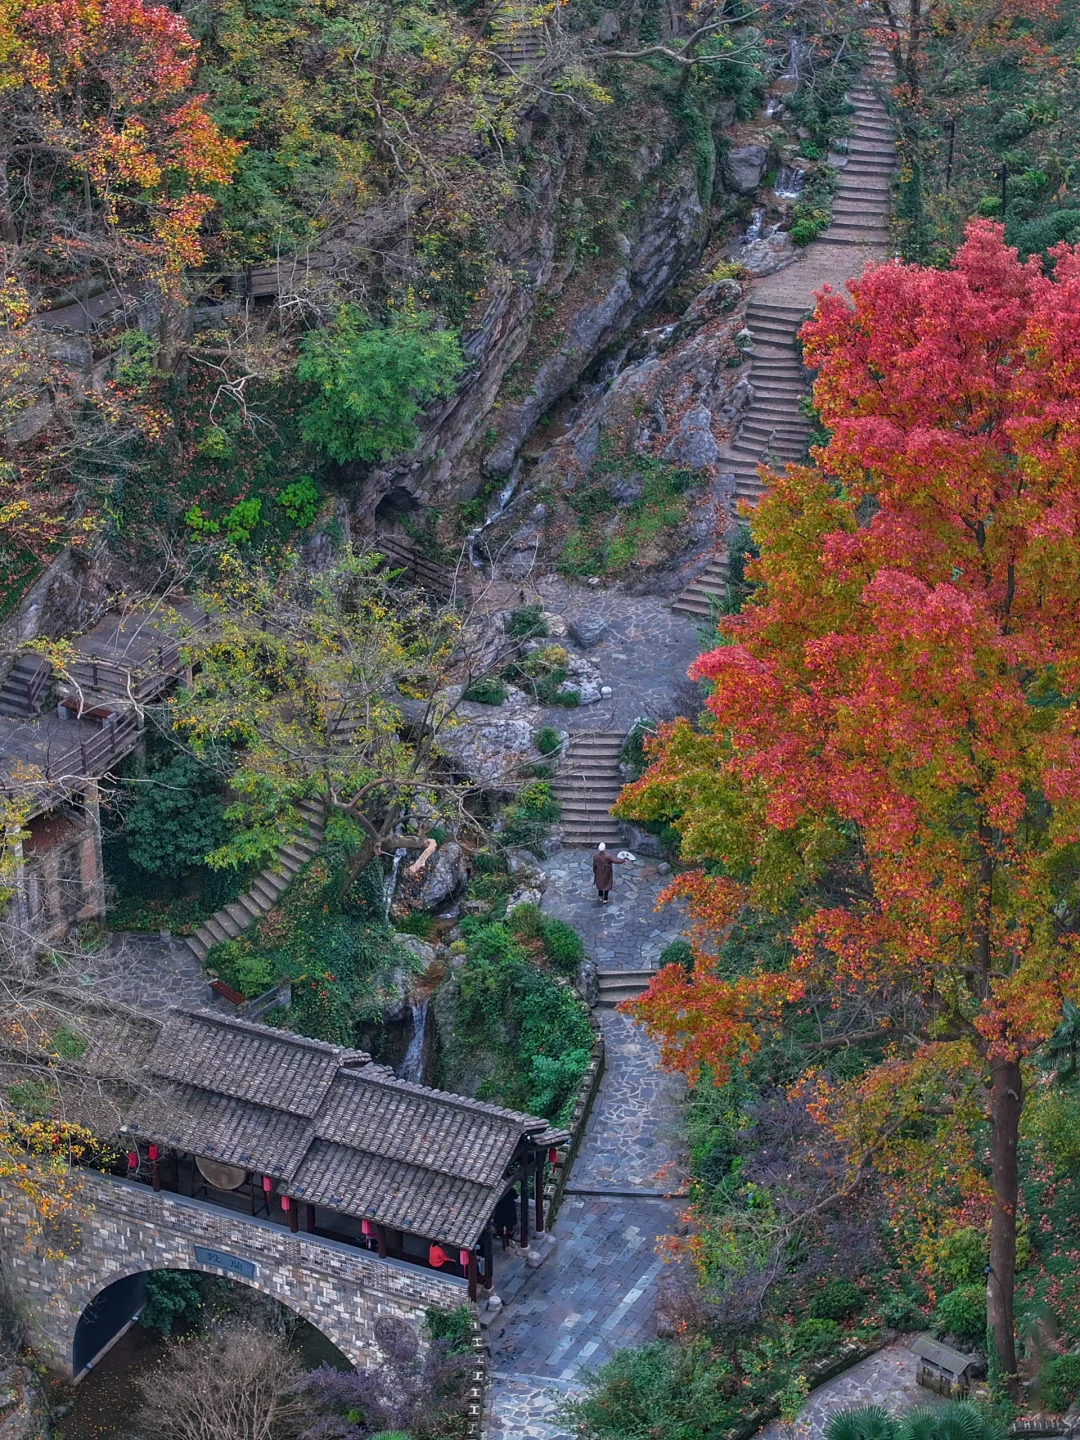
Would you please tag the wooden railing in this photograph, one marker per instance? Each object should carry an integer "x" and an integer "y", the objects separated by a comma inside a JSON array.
[{"x": 85, "y": 761}]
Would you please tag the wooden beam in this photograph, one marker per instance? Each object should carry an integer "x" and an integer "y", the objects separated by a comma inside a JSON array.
[
  {"x": 525, "y": 1198},
  {"x": 539, "y": 1183},
  {"x": 472, "y": 1276},
  {"x": 488, "y": 1243}
]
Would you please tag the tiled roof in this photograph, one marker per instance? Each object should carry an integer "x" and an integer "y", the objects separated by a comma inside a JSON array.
[
  {"x": 334, "y": 1129},
  {"x": 405, "y": 1197},
  {"x": 249, "y": 1062},
  {"x": 271, "y": 1141}
]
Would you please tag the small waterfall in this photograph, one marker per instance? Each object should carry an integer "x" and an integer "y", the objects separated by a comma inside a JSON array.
[
  {"x": 502, "y": 500},
  {"x": 391, "y": 883},
  {"x": 415, "y": 1061},
  {"x": 789, "y": 182},
  {"x": 753, "y": 230}
]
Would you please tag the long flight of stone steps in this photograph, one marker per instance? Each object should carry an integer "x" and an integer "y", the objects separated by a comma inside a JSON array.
[
  {"x": 232, "y": 920},
  {"x": 860, "y": 211},
  {"x": 774, "y": 429},
  {"x": 586, "y": 784}
]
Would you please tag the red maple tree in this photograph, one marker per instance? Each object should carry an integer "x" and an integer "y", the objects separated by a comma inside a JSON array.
[{"x": 897, "y": 707}]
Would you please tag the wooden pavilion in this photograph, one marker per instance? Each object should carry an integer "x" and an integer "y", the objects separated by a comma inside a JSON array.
[{"x": 318, "y": 1138}]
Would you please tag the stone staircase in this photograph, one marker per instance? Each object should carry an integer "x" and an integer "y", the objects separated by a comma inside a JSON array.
[
  {"x": 861, "y": 203},
  {"x": 232, "y": 920},
  {"x": 586, "y": 785},
  {"x": 774, "y": 429},
  {"x": 23, "y": 687},
  {"x": 619, "y": 985},
  {"x": 707, "y": 585},
  {"x": 517, "y": 43}
]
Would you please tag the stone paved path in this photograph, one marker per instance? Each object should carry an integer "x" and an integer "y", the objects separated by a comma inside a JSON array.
[
  {"x": 628, "y": 934},
  {"x": 886, "y": 1379},
  {"x": 596, "y": 1292},
  {"x": 643, "y": 657}
]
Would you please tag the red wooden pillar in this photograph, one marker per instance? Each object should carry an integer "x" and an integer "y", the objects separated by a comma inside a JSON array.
[
  {"x": 472, "y": 1276},
  {"x": 155, "y": 1167},
  {"x": 380, "y": 1239},
  {"x": 309, "y": 1219},
  {"x": 538, "y": 1181}
]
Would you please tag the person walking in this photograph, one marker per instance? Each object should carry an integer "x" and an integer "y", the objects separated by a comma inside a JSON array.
[{"x": 602, "y": 872}]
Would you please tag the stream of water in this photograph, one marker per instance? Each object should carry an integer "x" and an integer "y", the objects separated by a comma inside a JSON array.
[
  {"x": 415, "y": 1061},
  {"x": 391, "y": 883}
]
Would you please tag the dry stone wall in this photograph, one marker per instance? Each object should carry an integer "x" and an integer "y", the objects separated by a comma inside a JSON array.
[{"x": 126, "y": 1229}]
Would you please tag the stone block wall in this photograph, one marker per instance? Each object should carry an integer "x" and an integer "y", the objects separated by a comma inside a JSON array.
[{"x": 127, "y": 1229}]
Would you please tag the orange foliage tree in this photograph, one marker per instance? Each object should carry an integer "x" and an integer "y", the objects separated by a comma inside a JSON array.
[{"x": 897, "y": 709}]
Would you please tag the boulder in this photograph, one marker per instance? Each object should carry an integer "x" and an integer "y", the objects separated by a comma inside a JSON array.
[
  {"x": 607, "y": 28},
  {"x": 763, "y": 257},
  {"x": 694, "y": 446},
  {"x": 744, "y": 167},
  {"x": 23, "y": 1411},
  {"x": 642, "y": 842},
  {"x": 492, "y": 749},
  {"x": 526, "y": 895},
  {"x": 424, "y": 952},
  {"x": 441, "y": 876},
  {"x": 588, "y": 983},
  {"x": 583, "y": 676},
  {"x": 625, "y": 492},
  {"x": 586, "y": 629}
]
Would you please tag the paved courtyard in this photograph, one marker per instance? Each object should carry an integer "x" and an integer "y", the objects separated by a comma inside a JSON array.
[
  {"x": 628, "y": 934},
  {"x": 886, "y": 1379}
]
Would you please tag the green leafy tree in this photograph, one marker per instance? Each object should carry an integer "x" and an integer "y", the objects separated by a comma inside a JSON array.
[
  {"x": 178, "y": 815},
  {"x": 369, "y": 382},
  {"x": 330, "y": 685}
]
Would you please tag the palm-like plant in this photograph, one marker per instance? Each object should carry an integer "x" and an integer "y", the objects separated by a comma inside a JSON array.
[{"x": 957, "y": 1420}]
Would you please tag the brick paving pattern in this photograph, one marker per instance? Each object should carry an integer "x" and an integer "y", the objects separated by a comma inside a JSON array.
[{"x": 886, "y": 1379}]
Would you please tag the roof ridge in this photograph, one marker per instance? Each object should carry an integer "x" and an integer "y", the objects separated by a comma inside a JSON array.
[
  {"x": 449, "y": 1097},
  {"x": 235, "y": 1022}
]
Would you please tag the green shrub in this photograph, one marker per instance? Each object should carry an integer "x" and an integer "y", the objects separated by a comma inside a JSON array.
[
  {"x": 173, "y": 1301},
  {"x": 487, "y": 690},
  {"x": 633, "y": 747},
  {"x": 547, "y": 740},
  {"x": 250, "y": 972},
  {"x": 1049, "y": 230},
  {"x": 527, "y": 623},
  {"x": 963, "y": 1313},
  {"x": 961, "y": 1259},
  {"x": 453, "y": 1326},
  {"x": 898, "y": 1312},
  {"x": 1059, "y": 1382},
  {"x": 679, "y": 952},
  {"x": 526, "y": 921},
  {"x": 368, "y": 382},
  {"x": 814, "y": 1339},
  {"x": 678, "y": 1392},
  {"x": 526, "y": 821},
  {"x": 838, "y": 1300},
  {"x": 861, "y": 1422},
  {"x": 418, "y": 924},
  {"x": 563, "y": 946}
]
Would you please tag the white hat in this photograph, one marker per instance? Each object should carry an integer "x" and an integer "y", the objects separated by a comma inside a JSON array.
[{"x": 601, "y": 846}]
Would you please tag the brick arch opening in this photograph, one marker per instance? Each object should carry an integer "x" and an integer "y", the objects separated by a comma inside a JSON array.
[{"x": 108, "y": 1311}]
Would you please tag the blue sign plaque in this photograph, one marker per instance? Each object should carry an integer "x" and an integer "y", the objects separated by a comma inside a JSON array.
[{"x": 232, "y": 1263}]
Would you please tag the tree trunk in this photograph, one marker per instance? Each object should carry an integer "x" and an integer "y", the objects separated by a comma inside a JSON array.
[{"x": 1005, "y": 1105}]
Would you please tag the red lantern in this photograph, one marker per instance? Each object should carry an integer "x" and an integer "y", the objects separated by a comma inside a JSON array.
[
  {"x": 365, "y": 1227},
  {"x": 153, "y": 1152},
  {"x": 268, "y": 1184},
  {"x": 553, "y": 1156},
  {"x": 133, "y": 1159},
  {"x": 286, "y": 1203},
  {"x": 437, "y": 1257},
  {"x": 463, "y": 1256}
]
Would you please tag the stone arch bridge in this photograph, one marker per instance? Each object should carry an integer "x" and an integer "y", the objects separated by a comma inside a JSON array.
[{"x": 126, "y": 1229}]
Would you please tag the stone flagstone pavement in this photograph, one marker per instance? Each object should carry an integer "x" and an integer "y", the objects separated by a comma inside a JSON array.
[
  {"x": 886, "y": 1379},
  {"x": 596, "y": 1292}
]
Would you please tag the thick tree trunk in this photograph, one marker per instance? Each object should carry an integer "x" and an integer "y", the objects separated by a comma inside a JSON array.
[{"x": 1005, "y": 1104}]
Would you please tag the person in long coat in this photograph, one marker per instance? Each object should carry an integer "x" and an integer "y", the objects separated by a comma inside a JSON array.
[{"x": 602, "y": 872}]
